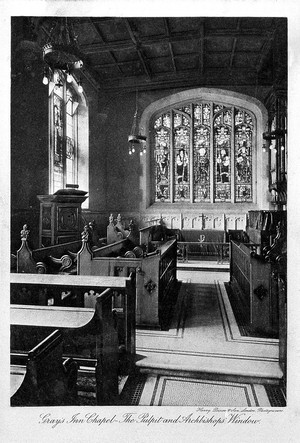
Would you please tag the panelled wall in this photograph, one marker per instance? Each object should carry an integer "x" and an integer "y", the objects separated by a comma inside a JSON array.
[{"x": 196, "y": 220}]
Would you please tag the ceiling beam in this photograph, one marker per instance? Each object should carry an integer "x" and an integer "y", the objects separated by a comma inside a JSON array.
[
  {"x": 97, "y": 29},
  {"x": 233, "y": 52},
  {"x": 238, "y": 73},
  {"x": 178, "y": 56},
  {"x": 212, "y": 77},
  {"x": 265, "y": 52},
  {"x": 170, "y": 44},
  {"x": 233, "y": 49},
  {"x": 122, "y": 45},
  {"x": 137, "y": 47},
  {"x": 201, "y": 49}
]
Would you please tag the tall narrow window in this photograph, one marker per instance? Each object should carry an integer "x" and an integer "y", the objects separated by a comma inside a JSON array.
[
  {"x": 243, "y": 156},
  {"x": 162, "y": 157},
  {"x": 222, "y": 154},
  {"x": 181, "y": 147},
  {"x": 203, "y": 153},
  {"x": 71, "y": 136},
  {"x": 63, "y": 134},
  {"x": 201, "y": 159}
]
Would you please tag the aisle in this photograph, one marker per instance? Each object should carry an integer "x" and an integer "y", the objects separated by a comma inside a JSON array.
[{"x": 204, "y": 340}]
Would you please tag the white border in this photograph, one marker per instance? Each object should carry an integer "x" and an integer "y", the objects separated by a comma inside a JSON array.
[{"x": 21, "y": 424}]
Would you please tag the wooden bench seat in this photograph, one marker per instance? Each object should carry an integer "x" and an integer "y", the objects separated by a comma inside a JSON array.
[
  {"x": 41, "y": 377},
  {"x": 90, "y": 335}
]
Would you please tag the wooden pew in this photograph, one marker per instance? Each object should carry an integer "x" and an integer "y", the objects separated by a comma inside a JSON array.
[
  {"x": 113, "y": 249},
  {"x": 117, "y": 231},
  {"x": 41, "y": 377},
  {"x": 156, "y": 288},
  {"x": 156, "y": 282},
  {"x": 52, "y": 259},
  {"x": 156, "y": 233},
  {"x": 252, "y": 275},
  {"x": 90, "y": 334}
]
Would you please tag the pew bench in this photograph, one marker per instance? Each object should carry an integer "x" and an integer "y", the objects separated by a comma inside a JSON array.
[
  {"x": 253, "y": 277},
  {"x": 155, "y": 277},
  {"x": 55, "y": 259},
  {"x": 90, "y": 334},
  {"x": 42, "y": 377}
]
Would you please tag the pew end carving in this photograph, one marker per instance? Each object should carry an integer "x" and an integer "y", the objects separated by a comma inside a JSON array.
[{"x": 59, "y": 258}]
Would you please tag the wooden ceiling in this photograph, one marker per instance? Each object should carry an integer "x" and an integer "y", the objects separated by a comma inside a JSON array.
[{"x": 163, "y": 52}]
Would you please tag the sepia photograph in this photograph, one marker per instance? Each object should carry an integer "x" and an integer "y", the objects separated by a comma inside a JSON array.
[{"x": 147, "y": 221}]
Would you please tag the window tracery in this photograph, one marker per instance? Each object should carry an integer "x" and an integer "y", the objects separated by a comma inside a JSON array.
[{"x": 203, "y": 152}]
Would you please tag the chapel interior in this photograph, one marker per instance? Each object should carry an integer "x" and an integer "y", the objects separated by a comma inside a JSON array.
[{"x": 149, "y": 160}]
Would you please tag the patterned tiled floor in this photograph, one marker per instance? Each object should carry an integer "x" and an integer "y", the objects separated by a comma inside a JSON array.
[
  {"x": 174, "y": 391},
  {"x": 204, "y": 336}
]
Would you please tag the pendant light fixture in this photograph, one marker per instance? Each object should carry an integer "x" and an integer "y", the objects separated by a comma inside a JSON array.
[
  {"x": 61, "y": 50},
  {"x": 135, "y": 139}
]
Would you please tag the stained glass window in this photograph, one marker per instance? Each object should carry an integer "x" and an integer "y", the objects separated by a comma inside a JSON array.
[
  {"x": 58, "y": 141},
  {"x": 182, "y": 152},
  {"x": 203, "y": 153},
  {"x": 243, "y": 158},
  {"x": 162, "y": 157},
  {"x": 63, "y": 141},
  {"x": 222, "y": 154}
]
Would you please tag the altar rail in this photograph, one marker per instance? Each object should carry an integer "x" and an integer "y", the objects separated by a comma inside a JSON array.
[
  {"x": 199, "y": 250},
  {"x": 253, "y": 277},
  {"x": 90, "y": 334}
]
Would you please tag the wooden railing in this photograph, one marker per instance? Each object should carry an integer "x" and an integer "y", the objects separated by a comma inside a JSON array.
[{"x": 90, "y": 334}]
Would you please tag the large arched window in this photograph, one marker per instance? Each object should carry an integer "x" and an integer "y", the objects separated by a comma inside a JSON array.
[
  {"x": 203, "y": 152},
  {"x": 68, "y": 156}
]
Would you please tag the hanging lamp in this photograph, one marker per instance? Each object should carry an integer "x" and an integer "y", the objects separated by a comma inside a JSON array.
[
  {"x": 61, "y": 50},
  {"x": 135, "y": 139}
]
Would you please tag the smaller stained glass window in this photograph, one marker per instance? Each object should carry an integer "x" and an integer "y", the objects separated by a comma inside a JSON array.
[
  {"x": 206, "y": 114},
  {"x": 182, "y": 149},
  {"x": 222, "y": 141},
  {"x": 162, "y": 157},
  {"x": 243, "y": 157}
]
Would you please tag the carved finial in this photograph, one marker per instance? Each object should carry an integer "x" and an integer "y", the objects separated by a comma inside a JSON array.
[
  {"x": 24, "y": 233},
  {"x": 111, "y": 218},
  {"x": 85, "y": 234},
  {"x": 92, "y": 225},
  {"x": 119, "y": 218}
]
